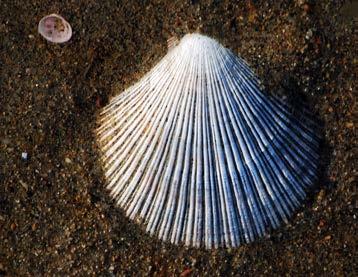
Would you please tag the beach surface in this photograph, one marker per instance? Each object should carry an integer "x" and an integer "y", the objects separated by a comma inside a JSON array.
[{"x": 57, "y": 218}]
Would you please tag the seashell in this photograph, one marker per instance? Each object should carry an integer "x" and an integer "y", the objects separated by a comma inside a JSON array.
[
  {"x": 55, "y": 28},
  {"x": 200, "y": 155}
]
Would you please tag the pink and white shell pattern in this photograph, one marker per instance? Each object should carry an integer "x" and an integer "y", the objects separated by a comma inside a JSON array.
[{"x": 55, "y": 28}]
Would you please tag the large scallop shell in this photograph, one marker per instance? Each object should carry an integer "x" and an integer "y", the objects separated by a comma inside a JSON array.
[{"x": 200, "y": 155}]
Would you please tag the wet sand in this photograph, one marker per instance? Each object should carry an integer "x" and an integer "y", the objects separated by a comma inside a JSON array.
[{"x": 56, "y": 218}]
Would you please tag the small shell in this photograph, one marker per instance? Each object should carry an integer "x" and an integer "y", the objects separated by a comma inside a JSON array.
[
  {"x": 55, "y": 28},
  {"x": 199, "y": 154}
]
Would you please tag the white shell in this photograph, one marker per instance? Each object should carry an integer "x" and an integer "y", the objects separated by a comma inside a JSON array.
[
  {"x": 55, "y": 28},
  {"x": 200, "y": 155}
]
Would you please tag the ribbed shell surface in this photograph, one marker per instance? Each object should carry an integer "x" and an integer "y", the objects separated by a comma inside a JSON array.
[{"x": 197, "y": 153}]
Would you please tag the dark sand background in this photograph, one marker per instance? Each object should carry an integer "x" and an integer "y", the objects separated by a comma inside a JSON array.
[{"x": 56, "y": 218}]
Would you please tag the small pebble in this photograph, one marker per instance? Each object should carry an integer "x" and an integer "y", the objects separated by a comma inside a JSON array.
[
  {"x": 24, "y": 185},
  {"x": 306, "y": 7},
  {"x": 33, "y": 226},
  {"x": 309, "y": 34},
  {"x": 321, "y": 195},
  {"x": 13, "y": 226},
  {"x": 186, "y": 272},
  {"x": 24, "y": 156},
  {"x": 68, "y": 161}
]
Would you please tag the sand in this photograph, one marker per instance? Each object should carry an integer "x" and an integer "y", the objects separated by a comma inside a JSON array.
[{"x": 56, "y": 218}]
